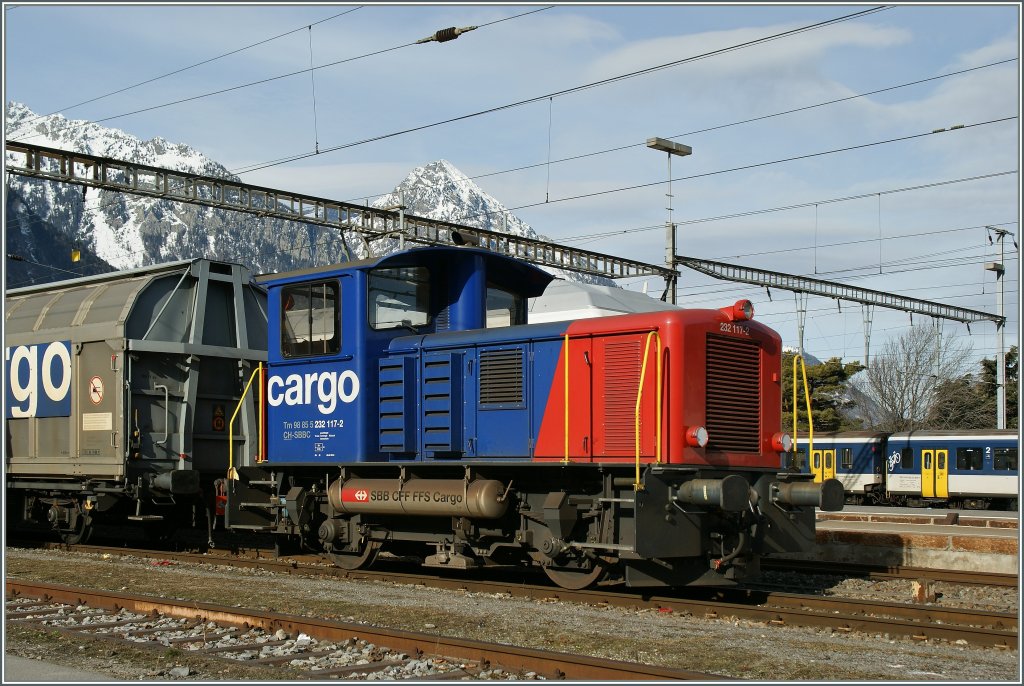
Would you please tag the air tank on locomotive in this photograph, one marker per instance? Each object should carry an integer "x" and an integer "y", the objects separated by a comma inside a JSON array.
[{"x": 119, "y": 391}]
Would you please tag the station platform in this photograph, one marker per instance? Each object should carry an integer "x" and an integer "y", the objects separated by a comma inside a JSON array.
[{"x": 941, "y": 540}]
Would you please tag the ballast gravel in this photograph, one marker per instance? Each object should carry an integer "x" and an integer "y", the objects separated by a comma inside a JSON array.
[{"x": 727, "y": 647}]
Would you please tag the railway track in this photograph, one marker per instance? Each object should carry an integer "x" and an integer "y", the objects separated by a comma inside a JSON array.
[
  {"x": 310, "y": 647},
  {"x": 952, "y": 576},
  {"x": 920, "y": 622},
  {"x": 258, "y": 556}
]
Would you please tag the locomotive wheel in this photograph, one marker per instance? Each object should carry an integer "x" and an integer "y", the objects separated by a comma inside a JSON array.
[
  {"x": 575, "y": 578},
  {"x": 359, "y": 560}
]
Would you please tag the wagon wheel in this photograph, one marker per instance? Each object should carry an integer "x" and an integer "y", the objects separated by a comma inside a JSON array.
[
  {"x": 357, "y": 560},
  {"x": 574, "y": 577},
  {"x": 79, "y": 532}
]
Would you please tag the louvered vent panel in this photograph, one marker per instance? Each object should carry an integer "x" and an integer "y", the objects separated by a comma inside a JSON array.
[
  {"x": 621, "y": 383},
  {"x": 501, "y": 377},
  {"x": 733, "y": 398},
  {"x": 441, "y": 322}
]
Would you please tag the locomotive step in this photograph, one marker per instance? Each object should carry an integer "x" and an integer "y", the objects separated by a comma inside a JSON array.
[
  {"x": 146, "y": 518},
  {"x": 252, "y": 527}
]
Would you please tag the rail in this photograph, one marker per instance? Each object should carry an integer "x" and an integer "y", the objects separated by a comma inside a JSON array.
[
  {"x": 919, "y": 621},
  {"x": 32, "y": 604}
]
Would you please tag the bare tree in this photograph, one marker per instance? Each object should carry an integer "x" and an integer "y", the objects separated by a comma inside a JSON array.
[{"x": 902, "y": 381}]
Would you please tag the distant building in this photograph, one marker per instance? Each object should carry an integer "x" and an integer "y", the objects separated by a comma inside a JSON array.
[{"x": 565, "y": 300}]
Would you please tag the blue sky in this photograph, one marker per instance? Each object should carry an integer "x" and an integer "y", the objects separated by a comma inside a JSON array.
[{"x": 931, "y": 241}]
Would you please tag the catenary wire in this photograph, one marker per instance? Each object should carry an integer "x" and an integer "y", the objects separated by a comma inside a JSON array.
[
  {"x": 177, "y": 71},
  {"x": 284, "y": 76},
  {"x": 555, "y": 94},
  {"x": 756, "y": 165}
]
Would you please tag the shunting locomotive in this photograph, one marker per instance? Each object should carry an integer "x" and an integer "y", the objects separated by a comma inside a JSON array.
[{"x": 407, "y": 408}]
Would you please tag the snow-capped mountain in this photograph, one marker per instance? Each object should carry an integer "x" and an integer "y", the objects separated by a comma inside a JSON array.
[
  {"x": 440, "y": 191},
  {"x": 47, "y": 220}
]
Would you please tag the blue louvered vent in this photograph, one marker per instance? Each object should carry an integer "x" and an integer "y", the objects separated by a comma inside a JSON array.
[
  {"x": 397, "y": 406},
  {"x": 501, "y": 377},
  {"x": 441, "y": 322},
  {"x": 441, "y": 404}
]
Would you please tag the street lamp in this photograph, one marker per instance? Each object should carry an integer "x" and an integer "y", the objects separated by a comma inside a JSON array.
[
  {"x": 1000, "y": 270},
  {"x": 671, "y": 148}
]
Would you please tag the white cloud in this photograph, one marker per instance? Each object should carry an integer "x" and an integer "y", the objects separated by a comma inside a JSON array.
[{"x": 792, "y": 54}]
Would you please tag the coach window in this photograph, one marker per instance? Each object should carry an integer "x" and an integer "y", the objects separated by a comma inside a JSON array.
[
  {"x": 399, "y": 297},
  {"x": 1006, "y": 459},
  {"x": 907, "y": 458},
  {"x": 968, "y": 459},
  {"x": 800, "y": 460},
  {"x": 309, "y": 319},
  {"x": 847, "y": 458}
]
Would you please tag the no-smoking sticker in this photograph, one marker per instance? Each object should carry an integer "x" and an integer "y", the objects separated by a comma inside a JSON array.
[{"x": 96, "y": 390}]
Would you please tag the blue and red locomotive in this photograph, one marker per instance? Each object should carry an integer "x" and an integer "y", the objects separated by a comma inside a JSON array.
[{"x": 409, "y": 409}]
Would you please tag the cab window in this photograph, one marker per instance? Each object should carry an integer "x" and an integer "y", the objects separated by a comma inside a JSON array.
[
  {"x": 309, "y": 319},
  {"x": 504, "y": 308},
  {"x": 398, "y": 297}
]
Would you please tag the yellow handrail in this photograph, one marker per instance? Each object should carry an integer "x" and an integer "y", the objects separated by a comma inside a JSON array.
[
  {"x": 637, "y": 486},
  {"x": 807, "y": 397},
  {"x": 232, "y": 474},
  {"x": 565, "y": 460}
]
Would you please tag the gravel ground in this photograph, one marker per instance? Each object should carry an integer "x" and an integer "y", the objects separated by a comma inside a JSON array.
[{"x": 733, "y": 648}]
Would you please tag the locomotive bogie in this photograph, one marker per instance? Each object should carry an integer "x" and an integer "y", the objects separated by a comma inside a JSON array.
[{"x": 578, "y": 523}]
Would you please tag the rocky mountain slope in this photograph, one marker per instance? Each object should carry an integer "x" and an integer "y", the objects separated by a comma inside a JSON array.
[{"x": 112, "y": 231}]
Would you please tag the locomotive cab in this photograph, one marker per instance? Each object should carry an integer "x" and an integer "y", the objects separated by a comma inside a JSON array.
[{"x": 329, "y": 327}]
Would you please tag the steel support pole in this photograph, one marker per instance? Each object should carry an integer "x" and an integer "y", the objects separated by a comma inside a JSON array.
[
  {"x": 1000, "y": 351},
  {"x": 1000, "y": 269},
  {"x": 670, "y": 238}
]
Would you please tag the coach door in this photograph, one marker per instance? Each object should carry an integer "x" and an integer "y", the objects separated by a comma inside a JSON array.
[
  {"x": 935, "y": 473},
  {"x": 823, "y": 465}
]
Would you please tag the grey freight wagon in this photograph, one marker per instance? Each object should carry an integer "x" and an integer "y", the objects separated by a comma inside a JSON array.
[{"x": 119, "y": 391}]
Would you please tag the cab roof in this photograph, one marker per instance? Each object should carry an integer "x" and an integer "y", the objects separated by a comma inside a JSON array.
[{"x": 504, "y": 272}]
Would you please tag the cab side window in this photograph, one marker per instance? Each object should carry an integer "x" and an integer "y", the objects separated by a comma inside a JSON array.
[
  {"x": 399, "y": 297},
  {"x": 504, "y": 308},
  {"x": 310, "y": 316}
]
